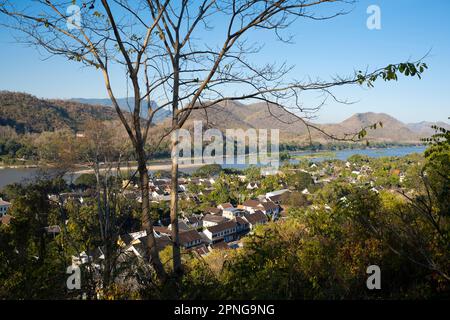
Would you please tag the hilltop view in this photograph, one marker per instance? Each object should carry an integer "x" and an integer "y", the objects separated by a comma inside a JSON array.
[{"x": 225, "y": 158}]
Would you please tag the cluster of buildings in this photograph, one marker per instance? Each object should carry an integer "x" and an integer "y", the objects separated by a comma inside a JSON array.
[
  {"x": 160, "y": 188},
  {"x": 220, "y": 227}
]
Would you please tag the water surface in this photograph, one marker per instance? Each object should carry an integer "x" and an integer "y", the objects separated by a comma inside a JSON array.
[{"x": 8, "y": 175}]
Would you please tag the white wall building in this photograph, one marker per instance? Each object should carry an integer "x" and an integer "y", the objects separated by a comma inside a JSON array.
[
  {"x": 225, "y": 231},
  {"x": 4, "y": 206}
]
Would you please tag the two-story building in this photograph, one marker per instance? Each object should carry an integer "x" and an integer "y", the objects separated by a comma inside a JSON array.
[
  {"x": 242, "y": 225},
  {"x": 255, "y": 219},
  {"x": 270, "y": 208},
  {"x": 232, "y": 213},
  {"x": 189, "y": 239},
  {"x": 4, "y": 206},
  {"x": 251, "y": 205},
  {"x": 222, "y": 232},
  {"x": 210, "y": 220},
  {"x": 267, "y": 207}
]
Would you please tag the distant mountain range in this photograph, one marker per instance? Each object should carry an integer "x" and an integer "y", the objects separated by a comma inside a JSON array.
[
  {"x": 424, "y": 129},
  {"x": 125, "y": 103},
  {"x": 26, "y": 113},
  {"x": 261, "y": 115},
  {"x": 392, "y": 130}
]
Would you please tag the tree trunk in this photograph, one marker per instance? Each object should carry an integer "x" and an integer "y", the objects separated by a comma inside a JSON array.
[
  {"x": 107, "y": 265},
  {"x": 177, "y": 267},
  {"x": 152, "y": 254}
]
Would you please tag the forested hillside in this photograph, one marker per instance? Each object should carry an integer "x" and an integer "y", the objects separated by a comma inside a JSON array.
[{"x": 29, "y": 114}]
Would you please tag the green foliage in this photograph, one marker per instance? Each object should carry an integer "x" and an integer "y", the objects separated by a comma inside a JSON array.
[
  {"x": 322, "y": 255},
  {"x": 437, "y": 170},
  {"x": 284, "y": 156},
  {"x": 26, "y": 113},
  {"x": 270, "y": 183},
  {"x": 294, "y": 200},
  {"x": 208, "y": 170},
  {"x": 358, "y": 159},
  {"x": 391, "y": 72},
  {"x": 299, "y": 180},
  {"x": 227, "y": 188},
  {"x": 252, "y": 173},
  {"x": 13, "y": 146},
  {"x": 86, "y": 180},
  {"x": 32, "y": 265}
]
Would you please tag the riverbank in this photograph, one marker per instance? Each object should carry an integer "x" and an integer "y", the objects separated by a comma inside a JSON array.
[
  {"x": 19, "y": 166},
  {"x": 20, "y": 174},
  {"x": 151, "y": 167},
  {"x": 164, "y": 164},
  {"x": 312, "y": 155}
]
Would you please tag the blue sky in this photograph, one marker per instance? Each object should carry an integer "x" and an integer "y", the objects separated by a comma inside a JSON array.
[{"x": 409, "y": 29}]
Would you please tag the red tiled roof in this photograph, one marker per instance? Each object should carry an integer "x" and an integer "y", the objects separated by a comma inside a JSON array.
[
  {"x": 223, "y": 226},
  {"x": 201, "y": 249},
  {"x": 189, "y": 236},
  {"x": 214, "y": 218},
  {"x": 257, "y": 217},
  {"x": 251, "y": 203},
  {"x": 239, "y": 220},
  {"x": 269, "y": 205},
  {"x": 213, "y": 210},
  {"x": 4, "y": 203},
  {"x": 162, "y": 230}
]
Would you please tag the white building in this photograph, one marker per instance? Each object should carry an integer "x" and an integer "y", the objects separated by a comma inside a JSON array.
[
  {"x": 231, "y": 213},
  {"x": 267, "y": 207},
  {"x": 224, "y": 206},
  {"x": 252, "y": 185},
  {"x": 4, "y": 206},
  {"x": 255, "y": 219},
  {"x": 189, "y": 239},
  {"x": 225, "y": 231},
  {"x": 210, "y": 220}
]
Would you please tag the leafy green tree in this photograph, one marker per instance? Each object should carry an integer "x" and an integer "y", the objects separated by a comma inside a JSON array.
[
  {"x": 33, "y": 264},
  {"x": 299, "y": 180},
  {"x": 294, "y": 199},
  {"x": 358, "y": 159},
  {"x": 208, "y": 170},
  {"x": 437, "y": 168},
  {"x": 284, "y": 156},
  {"x": 270, "y": 183},
  {"x": 252, "y": 173},
  {"x": 86, "y": 180}
]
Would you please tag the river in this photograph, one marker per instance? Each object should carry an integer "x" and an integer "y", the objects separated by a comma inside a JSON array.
[{"x": 9, "y": 175}]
